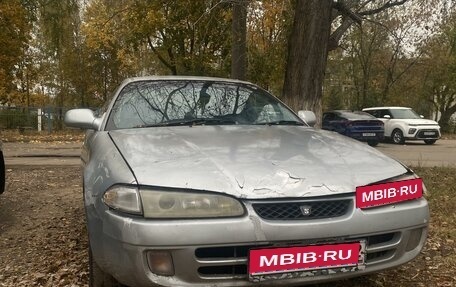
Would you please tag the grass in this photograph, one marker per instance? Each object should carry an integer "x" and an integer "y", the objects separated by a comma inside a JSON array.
[
  {"x": 441, "y": 185},
  {"x": 449, "y": 136},
  {"x": 436, "y": 264}
]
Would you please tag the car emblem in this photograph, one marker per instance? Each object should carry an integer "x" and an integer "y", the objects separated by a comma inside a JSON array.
[{"x": 305, "y": 210}]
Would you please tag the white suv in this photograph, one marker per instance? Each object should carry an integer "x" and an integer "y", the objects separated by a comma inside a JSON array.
[{"x": 405, "y": 124}]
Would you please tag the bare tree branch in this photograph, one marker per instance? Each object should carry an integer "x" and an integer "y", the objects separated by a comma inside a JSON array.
[
  {"x": 160, "y": 57},
  {"x": 345, "y": 10},
  {"x": 335, "y": 37},
  {"x": 385, "y": 6},
  {"x": 351, "y": 17}
]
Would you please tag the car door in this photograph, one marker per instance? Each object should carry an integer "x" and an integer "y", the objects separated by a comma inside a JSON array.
[
  {"x": 333, "y": 122},
  {"x": 387, "y": 122},
  {"x": 380, "y": 114},
  {"x": 327, "y": 122}
]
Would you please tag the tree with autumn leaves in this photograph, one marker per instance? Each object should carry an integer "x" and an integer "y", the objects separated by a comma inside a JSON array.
[
  {"x": 14, "y": 34},
  {"x": 314, "y": 54},
  {"x": 438, "y": 74}
]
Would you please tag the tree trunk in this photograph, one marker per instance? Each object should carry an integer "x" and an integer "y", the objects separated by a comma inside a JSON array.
[
  {"x": 445, "y": 118},
  {"x": 239, "y": 32},
  {"x": 307, "y": 55}
]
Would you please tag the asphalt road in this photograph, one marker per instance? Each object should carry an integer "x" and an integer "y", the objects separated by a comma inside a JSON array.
[
  {"x": 42, "y": 154},
  {"x": 417, "y": 154}
]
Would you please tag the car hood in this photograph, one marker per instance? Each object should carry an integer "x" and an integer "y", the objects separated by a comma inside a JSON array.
[
  {"x": 252, "y": 161},
  {"x": 421, "y": 122}
]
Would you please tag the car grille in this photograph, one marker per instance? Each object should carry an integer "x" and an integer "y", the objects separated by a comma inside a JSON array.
[
  {"x": 235, "y": 257},
  {"x": 305, "y": 210},
  {"x": 421, "y": 134}
]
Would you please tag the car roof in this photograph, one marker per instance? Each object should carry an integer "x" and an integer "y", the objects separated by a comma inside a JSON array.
[
  {"x": 344, "y": 112},
  {"x": 350, "y": 114},
  {"x": 184, "y": 78},
  {"x": 383, "y": 108}
]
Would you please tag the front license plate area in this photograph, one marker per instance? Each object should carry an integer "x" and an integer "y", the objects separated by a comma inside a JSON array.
[
  {"x": 429, "y": 133},
  {"x": 368, "y": 134},
  {"x": 304, "y": 261}
]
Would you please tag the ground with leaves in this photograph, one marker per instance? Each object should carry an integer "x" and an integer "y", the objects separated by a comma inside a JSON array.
[
  {"x": 35, "y": 136},
  {"x": 43, "y": 239}
]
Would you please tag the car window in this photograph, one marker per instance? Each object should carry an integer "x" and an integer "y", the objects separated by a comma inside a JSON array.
[
  {"x": 149, "y": 103},
  {"x": 356, "y": 115},
  {"x": 387, "y": 113},
  {"x": 404, "y": 114},
  {"x": 379, "y": 113},
  {"x": 328, "y": 117}
]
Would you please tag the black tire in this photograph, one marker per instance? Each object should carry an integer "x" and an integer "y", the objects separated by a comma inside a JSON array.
[
  {"x": 372, "y": 143},
  {"x": 430, "y": 141},
  {"x": 397, "y": 137},
  {"x": 2, "y": 173},
  {"x": 97, "y": 277}
]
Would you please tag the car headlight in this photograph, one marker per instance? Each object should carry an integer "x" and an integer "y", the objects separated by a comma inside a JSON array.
[
  {"x": 171, "y": 204},
  {"x": 123, "y": 198}
]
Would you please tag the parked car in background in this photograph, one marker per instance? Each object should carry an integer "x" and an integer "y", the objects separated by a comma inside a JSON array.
[
  {"x": 403, "y": 124},
  {"x": 355, "y": 124},
  {"x": 192, "y": 181},
  {"x": 2, "y": 170}
]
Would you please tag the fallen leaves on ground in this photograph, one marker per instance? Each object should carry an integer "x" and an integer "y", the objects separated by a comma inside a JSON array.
[
  {"x": 44, "y": 136},
  {"x": 43, "y": 238},
  {"x": 44, "y": 241}
]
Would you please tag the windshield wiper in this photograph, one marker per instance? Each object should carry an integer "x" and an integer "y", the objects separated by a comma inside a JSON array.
[
  {"x": 191, "y": 122},
  {"x": 282, "y": 123}
]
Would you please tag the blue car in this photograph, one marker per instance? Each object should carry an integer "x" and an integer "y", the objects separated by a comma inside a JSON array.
[{"x": 358, "y": 125}]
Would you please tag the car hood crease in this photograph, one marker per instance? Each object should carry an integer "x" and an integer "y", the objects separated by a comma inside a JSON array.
[{"x": 252, "y": 161}]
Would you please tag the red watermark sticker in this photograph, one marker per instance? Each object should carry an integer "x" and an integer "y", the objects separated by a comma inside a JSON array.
[
  {"x": 299, "y": 258},
  {"x": 387, "y": 193}
]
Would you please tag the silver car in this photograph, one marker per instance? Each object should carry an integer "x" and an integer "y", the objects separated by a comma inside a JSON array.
[{"x": 192, "y": 181}]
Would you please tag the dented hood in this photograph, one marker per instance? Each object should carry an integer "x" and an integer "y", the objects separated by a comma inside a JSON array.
[{"x": 252, "y": 161}]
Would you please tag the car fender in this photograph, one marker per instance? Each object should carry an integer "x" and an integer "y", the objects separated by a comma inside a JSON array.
[
  {"x": 391, "y": 125},
  {"x": 104, "y": 168}
]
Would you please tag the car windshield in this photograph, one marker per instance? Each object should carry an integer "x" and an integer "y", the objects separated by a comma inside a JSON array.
[
  {"x": 404, "y": 114},
  {"x": 194, "y": 102}
]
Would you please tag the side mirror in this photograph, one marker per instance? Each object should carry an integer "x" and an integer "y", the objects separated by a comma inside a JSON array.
[
  {"x": 387, "y": 117},
  {"x": 308, "y": 117},
  {"x": 83, "y": 119}
]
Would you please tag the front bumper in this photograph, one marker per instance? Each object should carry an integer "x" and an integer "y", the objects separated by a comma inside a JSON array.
[
  {"x": 367, "y": 134},
  {"x": 422, "y": 134},
  {"x": 379, "y": 136},
  {"x": 214, "y": 252}
]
